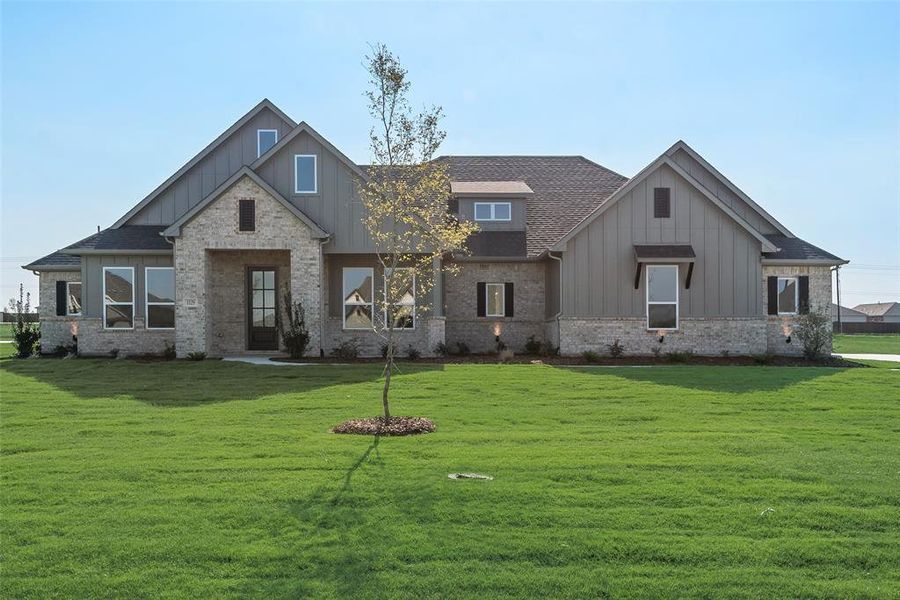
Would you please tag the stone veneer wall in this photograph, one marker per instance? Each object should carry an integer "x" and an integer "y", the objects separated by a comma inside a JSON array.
[
  {"x": 55, "y": 330},
  {"x": 711, "y": 337},
  {"x": 777, "y": 328},
  {"x": 216, "y": 228},
  {"x": 460, "y": 297},
  {"x": 425, "y": 337},
  {"x": 94, "y": 340}
]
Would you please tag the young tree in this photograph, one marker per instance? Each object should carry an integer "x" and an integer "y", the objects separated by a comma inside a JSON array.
[
  {"x": 406, "y": 200},
  {"x": 26, "y": 333}
]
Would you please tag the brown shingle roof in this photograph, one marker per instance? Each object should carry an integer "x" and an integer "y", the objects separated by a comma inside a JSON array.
[{"x": 875, "y": 309}]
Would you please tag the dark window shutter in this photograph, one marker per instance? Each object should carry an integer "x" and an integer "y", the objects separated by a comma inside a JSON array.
[
  {"x": 453, "y": 206},
  {"x": 482, "y": 299},
  {"x": 509, "y": 299},
  {"x": 62, "y": 298},
  {"x": 662, "y": 205},
  {"x": 773, "y": 295},
  {"x": 803, "y": 294},
  {"x": 247, "y": 219}
]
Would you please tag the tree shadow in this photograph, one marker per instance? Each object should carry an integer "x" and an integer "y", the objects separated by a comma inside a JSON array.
[
  {"x": 725, "y": 379},
  {"x": 186, "y": 383}
]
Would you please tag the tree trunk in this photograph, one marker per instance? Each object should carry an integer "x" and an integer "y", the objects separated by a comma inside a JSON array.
[{"x": 389, "y": 367}]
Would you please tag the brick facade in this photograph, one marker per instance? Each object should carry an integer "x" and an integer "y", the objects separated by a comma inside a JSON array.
[
  {"x": 779, "y": 327},
  {"x": 196, "y": 262},
  {"x": 55, "y": 330},
  {"x": 94, "y": 340}
]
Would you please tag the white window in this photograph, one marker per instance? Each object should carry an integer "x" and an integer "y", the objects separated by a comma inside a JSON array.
[
  {"x": 495, "y": 301},
  {"x": 118, "y": 297},
  {"x": 403, "y": 307},
  {"x": 265, "y": 139},
  {"x": 787, "y": 295},
  {"x": 73, "y": 298},
  {"x": 305, "y": 174},
  {"x": 662, "y": 296},
  {"x": 358, "y": 296},
  {"x": 160, "y": 297},
  {"x": 493, "y": 211}
]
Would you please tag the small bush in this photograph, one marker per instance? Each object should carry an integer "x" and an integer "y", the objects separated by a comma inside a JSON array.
[
  {"x": 616, "y": 349},
  {"x": 813, "y": 330},
  {"x": 548, "y": 349},
  {"x": 26, "y": 335},
  {"x": 679, "y": 357},
  {"x": 442, "y": 349},
  {"x": 346, "y": 350},
  {"x": 532, "y": 346},
  {"x": 590, "y": 356},
  {"x": 196, "y": 355},
  {"x": 169, "y": 352},
  {"x": 500, "y": 346},
  {"x": 763, "y": 359},
  {"x": 294, "y": 333},
  {"x": 413, "y": 353},
  {"x": 463, "y": 349},
  {"x": 656, "y": 350}
]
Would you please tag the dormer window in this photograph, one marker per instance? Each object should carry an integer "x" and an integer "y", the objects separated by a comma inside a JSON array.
[
  {"x": 265, "y": 139},
  {"x": 493, "y": 211},
  {"x": 305, "y": 177}
]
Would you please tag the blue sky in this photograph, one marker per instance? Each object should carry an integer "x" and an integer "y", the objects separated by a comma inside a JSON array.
[{"x": 798, "y": 104}]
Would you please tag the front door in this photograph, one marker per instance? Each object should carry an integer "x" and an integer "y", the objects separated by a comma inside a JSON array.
[{"x": 262, "y": 305}]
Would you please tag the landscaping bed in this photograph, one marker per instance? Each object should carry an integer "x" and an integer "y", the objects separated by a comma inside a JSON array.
[{"x": 393, "y": 426}]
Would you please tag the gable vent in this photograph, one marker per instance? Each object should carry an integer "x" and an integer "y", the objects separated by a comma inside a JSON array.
[
  {"x": 247, "y": 215},
  {"x": 662, "y": 205}
]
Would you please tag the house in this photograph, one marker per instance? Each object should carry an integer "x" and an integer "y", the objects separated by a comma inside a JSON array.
[
  {"x": 568, "y": 252},
  {"x": 880, "y": 312},
  {"x": 848, "y": 315}
]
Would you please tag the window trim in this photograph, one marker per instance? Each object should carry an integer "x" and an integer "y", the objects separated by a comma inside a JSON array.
[
  {"x": 315, "y": 189},
  {"x": 677, "y": 302},
  {"x": 68, "y": 295},
  {"x": 796, "y": 310},
  {"x": 148, "y": 304},
  {"x": 105, "y": 303},
  {"x": 414, "y": 302},
  {"x": 259, "y": 146},
  {"x": 487, "y": 296},
  {"x": 493, "y": 206},
  {"x": 371, "y": 303}
]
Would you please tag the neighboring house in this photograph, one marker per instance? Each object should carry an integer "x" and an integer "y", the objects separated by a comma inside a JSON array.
[
  {"x": 568, "y": 252},
  {"x": 848, "y": 315},
  {"x": 880, "y": 312}
]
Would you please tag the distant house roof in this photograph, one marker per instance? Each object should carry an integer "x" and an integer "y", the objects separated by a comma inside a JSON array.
[
  {"x": 565, "y": 189},
  {"x": 795, "y": 249},
  {"x": 876, "y": 309},
  {"x": 506, "y": 189},
  {"x": 847, "y": 314}
]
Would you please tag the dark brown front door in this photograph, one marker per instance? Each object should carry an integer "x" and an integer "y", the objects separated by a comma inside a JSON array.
[{"x": 262, "y": 305}]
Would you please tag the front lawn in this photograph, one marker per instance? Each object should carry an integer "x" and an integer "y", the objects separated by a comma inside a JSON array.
[
  {"x": 885, "y": 343},
  {"x": 181, "y": 479}
]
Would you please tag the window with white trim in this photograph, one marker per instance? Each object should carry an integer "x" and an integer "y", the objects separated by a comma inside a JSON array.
[
  {"x": 403, "y": 293},
  {"x": 118, "y": 297},
  {"x": 493, "y": 211},
  {"x": 788, "y": 295},
  {"x": 495, "y": 299},
  {"x": 159, "y": 297},
  {"x": 662, "y": 296},
  {"x": 358, "y": 296},
  {"x": 265, "y": 139},
  {"x": 305, "y": 174},
  {"x": 73, "y": 298}
]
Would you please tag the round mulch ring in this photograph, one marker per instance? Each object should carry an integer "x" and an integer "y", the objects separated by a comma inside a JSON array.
[{"x": 377, "y": 426}]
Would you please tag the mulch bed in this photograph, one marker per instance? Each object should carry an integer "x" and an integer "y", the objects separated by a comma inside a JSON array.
[{"x": 377, "y": 426}]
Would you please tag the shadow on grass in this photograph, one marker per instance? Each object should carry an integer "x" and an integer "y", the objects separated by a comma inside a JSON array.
[
  {"x": 732, "y": 380},
  {"x": 186, "y": 383}
]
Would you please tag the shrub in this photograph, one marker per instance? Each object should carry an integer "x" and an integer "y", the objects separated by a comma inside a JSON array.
[
  {"x": 294, "y": 332},
  {"x": 346, "y": 350},
  {"x": 169, "y": 352},
  {"x": 442, "y": 349},
  {"x": 679, "y": 357},
  {"x": 196, "y": 355},
  {"x": 763, "y": 359},
  {"x": 413, "y": 353},
  {"x": 26, "y": 335},
  {"x": 813, "y": 330},
  {"x": 548, "y": 349},
  {"x": 532, "y": 346},
  {"x": 590, "y": 356},
  {"x": 656, "y": 350},
  {"x": 462, "y": 349},
  {"x": 500, "y": 346},
  {"x": 616, "y": 349}
]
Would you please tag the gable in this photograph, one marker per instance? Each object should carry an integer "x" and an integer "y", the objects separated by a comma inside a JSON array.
[{"x": 235, "y": 148}]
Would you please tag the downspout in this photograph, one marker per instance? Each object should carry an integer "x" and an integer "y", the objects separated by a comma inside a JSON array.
[
  {"x": 560, "y": 292},
  {"x": 322, "y": 285}
]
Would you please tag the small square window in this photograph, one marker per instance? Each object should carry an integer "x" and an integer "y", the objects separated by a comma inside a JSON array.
[
  {"x": 265, "y": 139},
  {"x": 305, "y": 176}
]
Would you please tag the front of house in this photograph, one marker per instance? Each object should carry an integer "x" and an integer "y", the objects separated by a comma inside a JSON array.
[{"x": 568, "y": 253}]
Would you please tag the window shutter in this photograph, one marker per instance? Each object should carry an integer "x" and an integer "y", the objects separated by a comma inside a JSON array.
[
  {"x": 662, "y": 206},
  {"x": 62, "y": 298},
  {"x": 508, "y": 298},
  {"x": 482, "y": 299},
  {"x": 247, "y": 218},
  {"x": 453, "y": 206},
  {"x": 773, "y": 295},
  {"x": 803, "y": 294}
]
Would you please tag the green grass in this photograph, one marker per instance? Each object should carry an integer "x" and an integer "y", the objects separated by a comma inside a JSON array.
[
  {"x": 139, "y": 480},
  {"x": 885, "y": 343},
  {"x": 6, "y": 331}
]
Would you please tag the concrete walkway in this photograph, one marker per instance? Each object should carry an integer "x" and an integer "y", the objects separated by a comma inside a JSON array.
[
  {"x": 260, "y": 360},
  {"x": 884, "y": 357}
]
